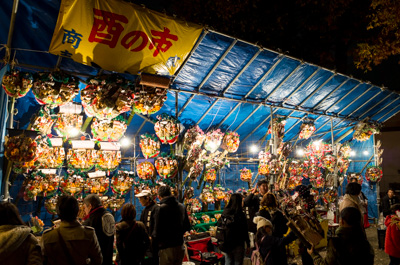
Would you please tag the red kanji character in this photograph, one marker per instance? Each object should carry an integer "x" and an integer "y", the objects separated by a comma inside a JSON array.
[
  {"x": 105, "y": 28},
  {"x": 135, "y": 35},
  {"x": 162, "y": 44}
]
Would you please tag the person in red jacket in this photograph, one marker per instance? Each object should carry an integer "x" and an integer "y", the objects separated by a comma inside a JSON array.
[{"x": 392, "y": 240}]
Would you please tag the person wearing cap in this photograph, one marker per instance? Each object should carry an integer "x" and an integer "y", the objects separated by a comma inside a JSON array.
[
  {"x": 272, "y": 248},
  {"x": 252, "y": 203},
  {"x": 147, "y": 218}
]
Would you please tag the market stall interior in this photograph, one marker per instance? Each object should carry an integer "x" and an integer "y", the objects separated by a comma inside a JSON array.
[{"x": 231, "y": 114}]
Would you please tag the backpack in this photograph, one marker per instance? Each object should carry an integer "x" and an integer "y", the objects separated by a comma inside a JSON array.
[
  {"x": 224, "y": 233},
  {"x": 256, "y": 258},
  {"x": 108, "y": 224}
]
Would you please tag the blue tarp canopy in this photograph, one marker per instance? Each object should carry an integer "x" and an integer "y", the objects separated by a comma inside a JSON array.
[{"x": 225, "y": 82}]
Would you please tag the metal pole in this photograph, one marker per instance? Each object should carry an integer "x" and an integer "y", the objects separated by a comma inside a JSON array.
[{"x": 378, "y": 197}]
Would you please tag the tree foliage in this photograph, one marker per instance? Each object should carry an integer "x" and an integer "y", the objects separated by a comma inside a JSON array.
[{"x": 385, "y": 34}]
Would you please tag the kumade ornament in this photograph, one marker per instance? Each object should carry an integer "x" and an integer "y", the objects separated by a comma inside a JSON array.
[
  {"x": 167, "y": 167},
  {"x": 213, "y": 140},
  {"x": 72, "y": 185},
  {"x": 145, "y": 170},
  {"x": 193, "y": 137},
  {"x": 167, "y": 129},
  {"x": 230, "y": 142},
  {"x": 122, "y": 183},
  {"x": 150, "y": 145},
  {"x": 17, "y": 84},
  {"x": 109, "y": 130},
  {"x": 245, "y": 174},
  {"x": 373, "y": 174}
]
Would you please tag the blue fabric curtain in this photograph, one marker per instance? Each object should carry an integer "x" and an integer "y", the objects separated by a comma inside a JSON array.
[{"x": 3, "y": 124}]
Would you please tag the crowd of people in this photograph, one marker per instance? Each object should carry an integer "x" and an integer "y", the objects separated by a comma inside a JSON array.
[{"x": 258, "y": 229}]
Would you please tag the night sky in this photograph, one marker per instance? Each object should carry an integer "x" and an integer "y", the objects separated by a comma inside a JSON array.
[{"x": 323, "y": 32}]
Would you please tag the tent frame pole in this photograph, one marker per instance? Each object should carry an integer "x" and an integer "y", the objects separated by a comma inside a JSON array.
[
  {"x": 248, "y": 117},
  {"x": 330, "y": 93},
  {"x": 373, "y": 107},
  {"x": 373, "y": 115},
  {"x": 301, "y": 85},
  {"x": 390, "y": 115}
]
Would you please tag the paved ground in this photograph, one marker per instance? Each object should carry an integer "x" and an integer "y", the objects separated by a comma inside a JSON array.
[{"x": 381, "y": 258}]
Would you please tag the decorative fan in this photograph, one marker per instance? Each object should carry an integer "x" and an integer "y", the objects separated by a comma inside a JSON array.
[
  {"x": 167, "y": 166},
  {"x": 17, "y": 84},
  {"x": 167, "y": 129},
  {"x": 230, "y": 142},
  {"x": 245, "y": 174},
  {"x": 145, "y": 170},
  {"x": 373, "y": 174},
  {"x": 194, "y": 137},
  {"x": 213, "y": 140},
  {"x": 150, "y": 145},
  {"x": 122, "y": 183},
  {"x": 54, "y": 89},
  {"x": 72, "y": 185},
  {"x": 106, "y": 98},
  {"x": 109, "y": 130}
]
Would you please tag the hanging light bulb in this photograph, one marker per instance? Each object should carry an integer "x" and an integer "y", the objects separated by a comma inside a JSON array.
[
  {"x": 300, "y": 152},
  {"x": 352, "y": 153},
  {"x": 125, "y": 142},
  {"x": 254, "y": 148},
  {"x": 73, "y": 132},
  {"x": 365, "y": 152}
]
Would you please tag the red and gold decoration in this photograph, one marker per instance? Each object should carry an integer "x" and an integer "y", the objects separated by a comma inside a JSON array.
[
  {"x": 284, "y": 150},
  {"x": 195, "y": 169},
  {"x": 246, "y": 175},
  {"x": 311, "y": 171},
  {"x": 230, "y": 142},
  {"x": 25, "y": 167},
  {"x": 108, "y": 160},
  {"x": 345, "y": 151},
  {"x": 97, "y": 185},
  {"x": 53, "y": 157},
  {"x": 207, "y": 195},
  {"x": 122, "y": 183},
  {"x": 149, "y": 99},
  {"x": 373, "y": 174},
  {"x": 210, "y": 175},
  {"x": 72, "y": 185},
  {"x": 295, "y": 168},
  {"x": 306, "y": 129},
  {"x": 213, "y": 140},
  {"x": 167, "y": 166},
  {"x": 50, "y": 205},
  {"x": 82, "y": 159},
  {"x": 167, "y": 129},
  {"x": 41, "y": 185},
  {"x": 363, "y": 130},
  {"x": 193, "y": 137},
  {"x": 219, "y": 193},
  {"x": 329, "y": 162},
  {"x": 145, "y": 170},
  {"x": 54, "y": 89},
  {"x": 279, "y": 126},
  {"x": 150, "y": 145},
  {"x": 317, "y": 182},
  {"x": 20, "y": 148},
  {"x": 356, "y": 176},
  {"x": 17, "y": 84},
  {"x": 106, "y": 98},
  {"x": 109, "y": 130},
  {"x": 343, "y": 164},
  {"x": 114, "y": 203},
  {"x": 294, "y": 181},
  {"x": 317, "y": 149},
  {"x": 43, "y": 122},
  {"x": 65, "y": 123},
  {"x": 263, "y": 167},
  {"x": 329, "y": 196}
]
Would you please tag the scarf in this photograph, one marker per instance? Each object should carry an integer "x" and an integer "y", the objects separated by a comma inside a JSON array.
[
  {"x": 92, "y": 211},
  {"x": 395, "y": 220}
]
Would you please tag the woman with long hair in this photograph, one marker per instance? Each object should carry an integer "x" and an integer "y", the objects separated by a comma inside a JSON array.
[
  {"x": 17, "y": 244},
  {"x": 269, "y": 210},
  {"x": 234, "y": 220},
  {"x": 132, "y": 238}
]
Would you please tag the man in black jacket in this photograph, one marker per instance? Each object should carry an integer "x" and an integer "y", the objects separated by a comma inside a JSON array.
[
  {"x": 103, "y": 223},
  {"x": 252, "y": 203},
  {"x": 147, "y": 217},
  {"x": 171, "y": 222},
  {"x": 387, "y": 202}
]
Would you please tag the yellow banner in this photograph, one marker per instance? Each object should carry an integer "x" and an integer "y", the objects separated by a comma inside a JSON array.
[{"x": 122, "y": 37}]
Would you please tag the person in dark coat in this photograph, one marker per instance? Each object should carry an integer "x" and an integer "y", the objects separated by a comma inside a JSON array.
[
  {"x": 103, "y": 223},
  {"x": 70, "y": 243},
  {"x": 18, "y": 246},
  {"x": 387, "y": 202},
  {"x": 252, "y": 203},
  {"x": 147, "y": 218},
  {"x": 272, "y": 248},
  {"x": 269, "y": 210},
  {"x": 392, "y": 239},
  {"x": 171, "y": 222},
  {"x": 234, "y": 247},
  {"x": 132, "y": 238},
  {"x": 350, "y": 245}
]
